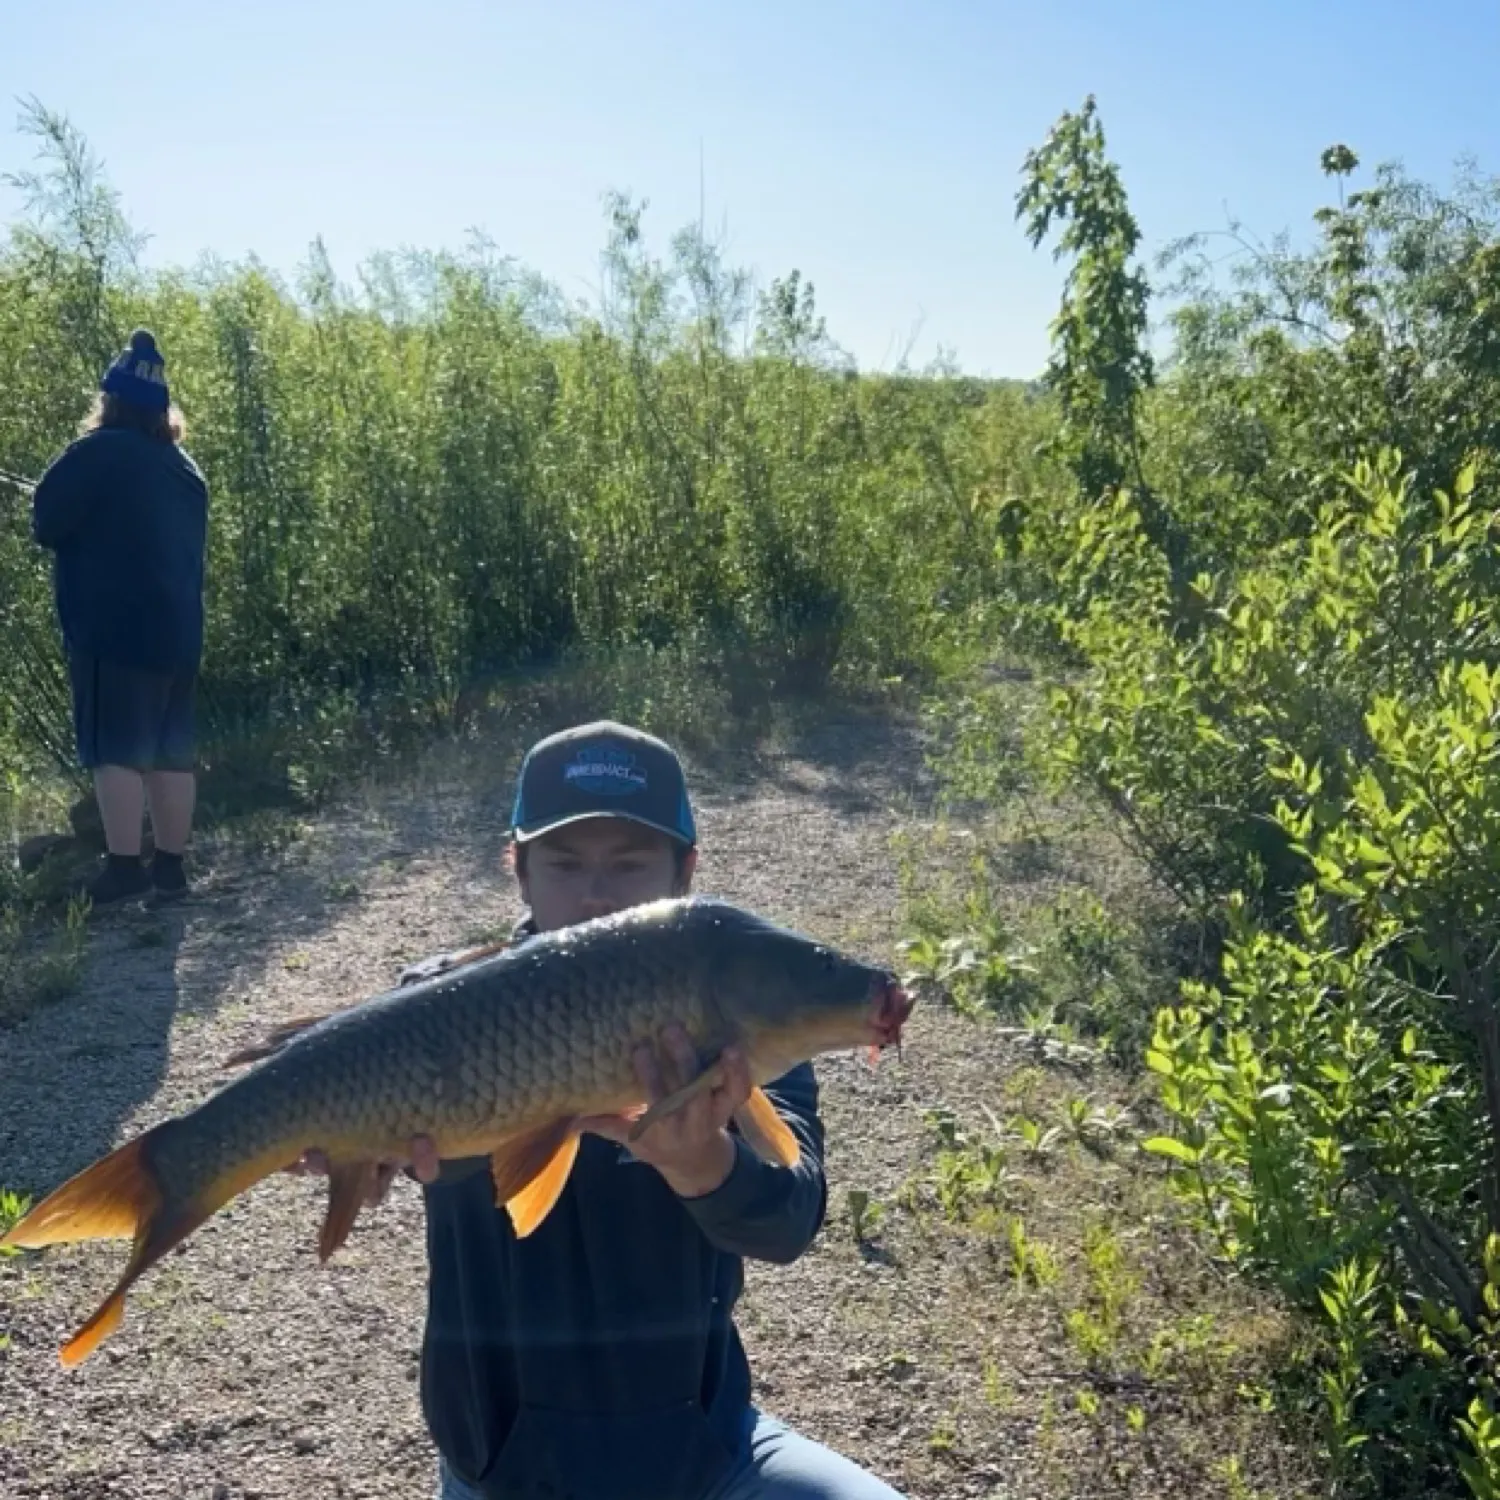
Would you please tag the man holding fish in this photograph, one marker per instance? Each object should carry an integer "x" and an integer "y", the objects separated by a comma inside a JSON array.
[
  {"x": 601, "y": 1352},
  {"x": 607, "y": 1118}
]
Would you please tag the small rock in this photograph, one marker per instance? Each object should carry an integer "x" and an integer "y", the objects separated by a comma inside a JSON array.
[
  {"x": 221, "y": 1491},
  {"x": 305, "y": 1442}
]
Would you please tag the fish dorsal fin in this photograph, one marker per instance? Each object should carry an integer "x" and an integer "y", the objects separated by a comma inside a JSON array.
[
  {"x": 273, "y": 1041},
  {"x": 282, "y": 1033},
  {"x": 767, "y": 1133},
  {"x": 349, "y": 1184},
  {"x": 529, "y": 1207}
]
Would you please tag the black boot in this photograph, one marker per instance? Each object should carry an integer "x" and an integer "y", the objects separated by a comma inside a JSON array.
[
  {"x": 122, "y": 877},
  {"x": 168, "y": 878}
]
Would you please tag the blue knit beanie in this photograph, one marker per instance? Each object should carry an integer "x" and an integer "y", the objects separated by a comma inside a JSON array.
[{"x": 139, "y": 374}]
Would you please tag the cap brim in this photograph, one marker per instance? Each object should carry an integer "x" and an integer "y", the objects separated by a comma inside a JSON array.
[{"x": 536, "y": 830}]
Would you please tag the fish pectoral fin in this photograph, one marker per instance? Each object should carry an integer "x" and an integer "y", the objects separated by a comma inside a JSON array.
[
  {"x": 766, "y": 1132},
  {"x": 349, "y": 1185},
  {"x": 669, "y": 1104},
  {"x": 516, "y": 1163},
  {"x": 529, "y": 1207},
  {"x": 272, "y": 1042}
]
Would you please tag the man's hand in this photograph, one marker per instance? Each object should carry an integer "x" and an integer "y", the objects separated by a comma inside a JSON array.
[
  {"x": 422, "y": 1159},
  {"x": 692, "y": 1147}
]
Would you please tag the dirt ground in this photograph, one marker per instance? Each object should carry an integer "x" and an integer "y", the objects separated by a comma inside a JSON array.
[{"x": 247, "y": 1371}]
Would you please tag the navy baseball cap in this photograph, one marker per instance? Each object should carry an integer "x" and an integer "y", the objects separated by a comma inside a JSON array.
[{"x": 602, "y": 770}]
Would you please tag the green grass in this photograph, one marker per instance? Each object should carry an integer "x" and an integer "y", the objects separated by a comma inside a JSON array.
[
  {"x": 13, "y": 1208},
  {"x": 1064, "y": 1248},
  {"x": 1172, "y": 1365},
  {"x": 41, "y": 966}
]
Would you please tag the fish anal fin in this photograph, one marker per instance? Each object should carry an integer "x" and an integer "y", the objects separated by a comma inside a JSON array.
[
  {"x": 273, "y": 1041},
  {"x": 349, "y": 1184},
  {"x": 766, "y": 1132},
  {"x": 529, "y": 1207},
  {"x": 669, "y": 1104}
]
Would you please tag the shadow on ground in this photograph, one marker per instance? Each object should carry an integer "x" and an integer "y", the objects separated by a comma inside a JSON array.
[{"x": 75, "y": 1069}]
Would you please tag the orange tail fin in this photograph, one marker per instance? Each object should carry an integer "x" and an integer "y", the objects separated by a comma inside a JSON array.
[
  {"x": 118, "y": 1197},
  {"x": 107, "y": 1201}
]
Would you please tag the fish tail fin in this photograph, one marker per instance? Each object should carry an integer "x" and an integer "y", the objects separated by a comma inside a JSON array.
[
  {"x": 108, "y": 1317},
  {"x": 167, "y": 1227},
  {"x": 118, "y": 1197},
  {"x": 109, "y": 1200}
]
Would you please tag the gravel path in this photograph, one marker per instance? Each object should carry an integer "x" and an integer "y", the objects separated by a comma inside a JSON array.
[{"x": 245, "y": 1371}]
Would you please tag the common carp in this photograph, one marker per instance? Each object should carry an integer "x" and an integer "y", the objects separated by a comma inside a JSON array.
[{"x": 501, "y": 1057}]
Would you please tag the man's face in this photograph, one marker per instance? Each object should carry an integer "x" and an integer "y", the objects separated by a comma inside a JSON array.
[{"x": 598, "y": 866}]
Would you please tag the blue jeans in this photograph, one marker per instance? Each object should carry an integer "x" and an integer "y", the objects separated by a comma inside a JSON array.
[{"x": 778, "y": 1464}]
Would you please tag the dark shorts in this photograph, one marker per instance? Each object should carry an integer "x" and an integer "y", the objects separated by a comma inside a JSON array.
[{"x": 129, "y": 716}]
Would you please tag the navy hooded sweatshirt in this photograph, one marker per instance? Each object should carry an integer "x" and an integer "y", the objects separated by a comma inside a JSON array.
[
  {"x": 598, "y": 1359},
  {"x": 127, "y": 517}
]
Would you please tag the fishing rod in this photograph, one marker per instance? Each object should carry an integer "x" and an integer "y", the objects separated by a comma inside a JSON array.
[{"x": 17, "y": 482}]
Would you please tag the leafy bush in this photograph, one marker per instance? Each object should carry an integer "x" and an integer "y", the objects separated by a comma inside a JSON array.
[
  {"x": 1270, "y": 596},
  {"x": 421, "y": 484}
]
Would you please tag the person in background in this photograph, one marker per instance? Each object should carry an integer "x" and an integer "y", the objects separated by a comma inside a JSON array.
[{"x": 125, "y": 511}]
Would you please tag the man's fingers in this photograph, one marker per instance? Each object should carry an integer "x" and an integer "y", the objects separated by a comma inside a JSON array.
[
  {"x": 648, "y": 1071},
  {"x": 736, "y": 1087},
  {"x": 682, "y": 1056},
  {"x": 425, "y": 1163},
  {"x": 737, "y": 1082}
]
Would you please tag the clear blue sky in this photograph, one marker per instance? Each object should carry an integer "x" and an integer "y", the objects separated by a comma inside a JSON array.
[{"x": 876, "y": 147}]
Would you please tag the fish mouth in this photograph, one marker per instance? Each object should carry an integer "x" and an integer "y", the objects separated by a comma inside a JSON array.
[{"x": 890, "y": 1007}]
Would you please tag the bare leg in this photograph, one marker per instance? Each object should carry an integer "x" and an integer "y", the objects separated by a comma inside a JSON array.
[
  {"x": 118, "y": 792},
  {"x": 172, "y": 795}
]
